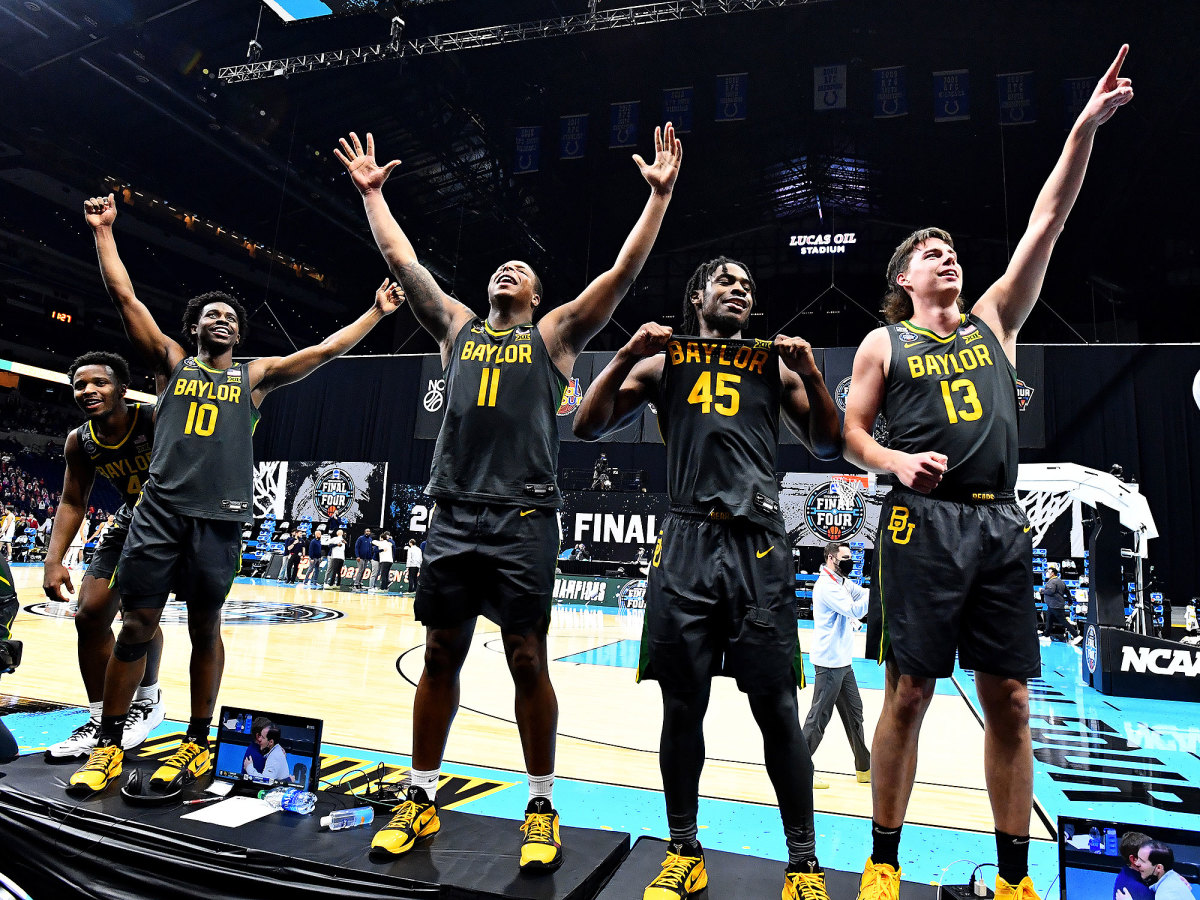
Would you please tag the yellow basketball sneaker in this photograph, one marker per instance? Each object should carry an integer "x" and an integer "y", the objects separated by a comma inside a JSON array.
[
  {"x": 541, "y": 849},
  {"x": 681, "y": 876},
  {"x": 103, "y": 765},
  {"x": 415, "y": 818},
  {"x": 804, "y": 886},
  {"x": 879, "y": 882},
  {"x": 1022, "y": 891},
  {"x": 185, "y": 765}
]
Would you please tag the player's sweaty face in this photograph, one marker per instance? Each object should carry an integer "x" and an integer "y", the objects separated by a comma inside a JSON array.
[{"x": 96, "y": 390}]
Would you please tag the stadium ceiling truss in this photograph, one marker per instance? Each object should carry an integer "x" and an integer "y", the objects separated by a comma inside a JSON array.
[{"x": 594, "y": 20}]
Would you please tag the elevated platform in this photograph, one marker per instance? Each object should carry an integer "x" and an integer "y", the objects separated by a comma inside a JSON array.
[
  {"x": 54, "y": 842},
  {"x": 731, "y": 875}
]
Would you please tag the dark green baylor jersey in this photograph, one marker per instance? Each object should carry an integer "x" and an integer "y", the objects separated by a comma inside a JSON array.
[
  {"x": 955, "y": 395},
  {"x": 499, "y": 438},
  {"x": 126, "y": 464},
  {"x": 718, "y": 412},
  {"x": 203, "y": 462}
]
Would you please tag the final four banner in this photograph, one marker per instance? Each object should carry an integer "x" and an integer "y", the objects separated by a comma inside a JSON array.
[
  {"x": 572, "y": 136},
  {"x": 952, "y": 96},
  {"x": 613, "y": 525},
  {"x": 529, "y": 149},
  {"x": 623, "y": 124},
  {"x": 296, "y": 491},
  {"x": 732, "y": 92},
  {"x": 677, "y": 108},
  {"x": 1015, "y": 91},
  {"x": 820, "y": 508},
  {"x": 829, "y": 87},
  {"x": 891, "y": 92}
]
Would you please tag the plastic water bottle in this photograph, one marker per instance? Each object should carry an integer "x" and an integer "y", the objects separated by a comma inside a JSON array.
[
  {"x": 1110, "y": 842},
  {"x": 290, "y": 799},
  {"x": 348, "y": 818},
  {"x": 1094, "y": 844}
]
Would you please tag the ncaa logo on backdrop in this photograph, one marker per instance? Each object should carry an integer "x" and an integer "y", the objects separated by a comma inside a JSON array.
[
  {"x": 841, "y": 393},
  {"x": 435, "y": 396},
  {"x": 632, "y": 595},
  {"x": 829, "y": 522},
  {"x": 1024, "y": 394},
  {"x": 572, "y": 396},
  {"x": 1091, "y": 650},
  {"x": 334, "y": 487}
]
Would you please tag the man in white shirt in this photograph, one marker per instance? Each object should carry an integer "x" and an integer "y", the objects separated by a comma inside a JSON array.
[
  {"x": 337, "y": 559},
  {"x": 275, "y": 762},
  {"x": 413, "y": 562},
  {"x": 387, "y": 551},
  {"x": 8, "y": 526},
  {"x": 838, "y": 604}
]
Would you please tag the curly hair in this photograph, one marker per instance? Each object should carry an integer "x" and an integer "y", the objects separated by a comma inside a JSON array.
[
  {"x": 120, "y": 368},
  {"x": 191, "y": 312},
  {"x": 689, "y": 322},
  {"x": 897, "y": 304}
]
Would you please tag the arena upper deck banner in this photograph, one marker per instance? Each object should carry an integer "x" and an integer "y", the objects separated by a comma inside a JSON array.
[{"x": 613, "y": 525}]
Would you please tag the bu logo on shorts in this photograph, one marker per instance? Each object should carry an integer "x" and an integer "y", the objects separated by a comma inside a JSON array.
[{"x": 899, "y": 525}]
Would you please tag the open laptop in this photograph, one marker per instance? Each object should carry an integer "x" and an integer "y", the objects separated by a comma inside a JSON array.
[{"x": 293, "y": 756}]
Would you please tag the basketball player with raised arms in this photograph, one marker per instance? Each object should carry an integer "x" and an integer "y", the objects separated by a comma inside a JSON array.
[
  {"x": 953, "y": 565},
  {"x": 720, "y": 597},
  {"x": 494, "y": 534},
  {"x": 185, "y": 535},
  {"x": 114, "y": 443}
]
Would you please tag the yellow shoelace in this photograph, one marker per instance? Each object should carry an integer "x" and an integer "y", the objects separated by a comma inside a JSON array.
[
  {"x": 675, "y": 869},
  {"x": 539, "y": 827},
  {"x": 100, "y": 759},
  {"x": 405, "y": 815},
  {"x": 808, "y": 887}
]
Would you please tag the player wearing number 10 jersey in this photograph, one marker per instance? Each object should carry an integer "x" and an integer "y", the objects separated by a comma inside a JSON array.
[
  {"x": 953, "y": 552},
  {"x": 494, "y": 534},
  {"x": 185, "y": 535},
  {"x": 720, "y": 599}
]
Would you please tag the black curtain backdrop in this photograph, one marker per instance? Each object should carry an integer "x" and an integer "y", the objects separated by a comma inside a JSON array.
[{"x": 1126, "y": 404}]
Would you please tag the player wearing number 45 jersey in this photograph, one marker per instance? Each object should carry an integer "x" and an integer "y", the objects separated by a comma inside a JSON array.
[
  {"x": 185, "y": 535},
  {"x": 494, "y": 535},
  {"x": 721, "y": 592},
  {"x": 953, "y": 554},
  {"x": 114, "y": 443}
]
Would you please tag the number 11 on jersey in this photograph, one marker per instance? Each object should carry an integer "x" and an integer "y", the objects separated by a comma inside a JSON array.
[{"x": 488, "y": 397}]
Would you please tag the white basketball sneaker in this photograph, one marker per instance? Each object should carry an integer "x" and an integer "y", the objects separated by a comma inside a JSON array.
[
  {"x": 81, "y": 742},
  {"x": 144, "y": 716}
]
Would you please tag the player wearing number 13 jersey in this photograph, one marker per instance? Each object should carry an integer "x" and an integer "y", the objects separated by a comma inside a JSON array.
[
  {"x": 953, "y": 554},
  {"x": 720, "y": 599},
  {"x": 185, "y": 534},
  {"x": 493, "y": 536}
]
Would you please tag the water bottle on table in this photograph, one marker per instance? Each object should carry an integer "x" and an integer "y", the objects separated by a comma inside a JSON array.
[
  {"x": 348, "y": 818},
  {"x": 290, "y": 799}
]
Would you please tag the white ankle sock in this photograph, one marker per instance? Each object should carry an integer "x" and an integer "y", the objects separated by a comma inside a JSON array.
[
  {"x": 96, "y": 710},
  {"x": 426, "y": 780},
  {"x": 542, "y": 786},
  {"x": 147, "y": 692}
]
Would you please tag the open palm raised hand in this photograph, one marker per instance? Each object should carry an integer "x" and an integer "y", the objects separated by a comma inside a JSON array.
[
  {"x": 668, "y": 153},
  {"x": 364, "y": 171}
]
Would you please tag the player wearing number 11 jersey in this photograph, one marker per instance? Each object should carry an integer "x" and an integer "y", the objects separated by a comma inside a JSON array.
[
  {"x": 494, "y": 534},
  {"x": 720, "y": 599},
  {"x": 953, "y": 552},
  {"x": 185, "y": 535}
]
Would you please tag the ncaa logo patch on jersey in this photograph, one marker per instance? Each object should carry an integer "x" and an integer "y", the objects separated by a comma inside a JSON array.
[
  {"x": 1024, "y": 395},
  {"x": 841, "y": 393},
  {"x": 190, "y": 363},
  {"x": 905, "y": 335},
  {"x": 572, "y": 396}
]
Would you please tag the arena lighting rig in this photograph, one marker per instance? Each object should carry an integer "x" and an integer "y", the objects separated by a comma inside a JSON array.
[{"x": 593, "y": 20}]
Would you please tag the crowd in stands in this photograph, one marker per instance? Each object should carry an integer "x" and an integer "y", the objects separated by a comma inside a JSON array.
[
  {"x": 33, "y": 497},
  {"x": 18, "y": 413}
]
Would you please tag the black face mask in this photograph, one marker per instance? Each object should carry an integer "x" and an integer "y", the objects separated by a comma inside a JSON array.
[{"x": 845, "y": 566}]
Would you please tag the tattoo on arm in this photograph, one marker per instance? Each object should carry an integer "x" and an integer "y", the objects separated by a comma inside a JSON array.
[{"x": 422, "y": 291}]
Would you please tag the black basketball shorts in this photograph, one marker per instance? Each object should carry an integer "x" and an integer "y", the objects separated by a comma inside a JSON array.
[
  {"x": 721, "y": 600},
  {"x": 112, "y": 542},
  {"x": 953, "y": 576},
  {"x": 487, "y": 560},
  {"x": 194, "y": 557}
]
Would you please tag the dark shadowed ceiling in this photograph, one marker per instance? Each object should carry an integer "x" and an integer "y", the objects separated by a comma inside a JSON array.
[{"x": 100, "y": 93}]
